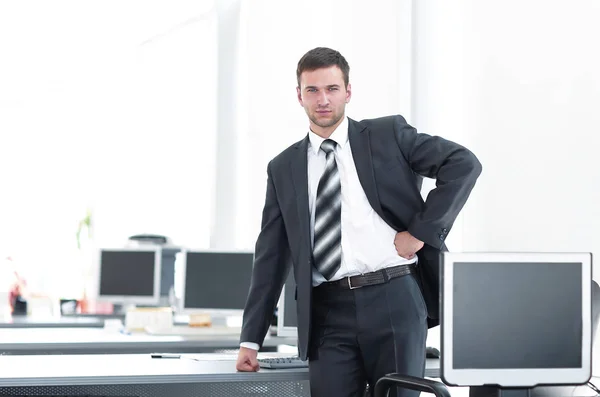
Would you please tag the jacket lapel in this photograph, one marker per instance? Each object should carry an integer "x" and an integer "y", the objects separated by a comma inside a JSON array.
[
  {"x": 299, "y": 168},
  {"x": 360, "y": 144}
]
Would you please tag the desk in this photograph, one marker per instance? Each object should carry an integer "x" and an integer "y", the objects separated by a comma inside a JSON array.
[
  {"x": 80, "y": 321},
  {"x": 140, "y": 375},
  {"x": 55, "y": 322},
  {"x": 35, "y": 341}
]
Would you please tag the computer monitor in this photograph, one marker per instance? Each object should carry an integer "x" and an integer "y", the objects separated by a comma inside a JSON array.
[
  {"x": 130, "y": 275},
  {"x": 287, "y": 320},
  {"x": 516, "y": 320},
  {"x": 215, "y": 281}
]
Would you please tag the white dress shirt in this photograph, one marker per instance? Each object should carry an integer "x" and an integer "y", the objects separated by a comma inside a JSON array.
[{"x": 367, "y": 241}]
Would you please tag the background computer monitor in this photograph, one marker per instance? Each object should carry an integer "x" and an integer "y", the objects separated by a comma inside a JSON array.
[
  {"x": 129, "y": 275},
  {"x": 215, "y": 281},
  {"x": 516, "y": 319},
  {"x": 287, "y": 320}
]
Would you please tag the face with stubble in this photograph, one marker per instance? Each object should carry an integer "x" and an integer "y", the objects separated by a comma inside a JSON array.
[{"x": 323, "y": 95}]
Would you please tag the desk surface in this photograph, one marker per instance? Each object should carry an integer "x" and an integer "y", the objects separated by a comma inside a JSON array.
[
  {"x": 101, "y": 341},
  {"x": 68, "y": 370},
  {"x": 54, "y": 322},
  {"x": 77, "y": 321},
  {"x": 191, "y": 375}
]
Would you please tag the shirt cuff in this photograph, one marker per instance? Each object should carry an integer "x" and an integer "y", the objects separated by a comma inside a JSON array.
[{"x": 250, "y": 345}]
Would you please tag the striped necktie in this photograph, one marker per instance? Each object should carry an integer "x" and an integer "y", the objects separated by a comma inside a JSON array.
[{"x": 327, "y": 248}]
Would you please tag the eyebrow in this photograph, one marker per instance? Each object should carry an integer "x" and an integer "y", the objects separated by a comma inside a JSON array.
[{"x": 327, "y": 86}]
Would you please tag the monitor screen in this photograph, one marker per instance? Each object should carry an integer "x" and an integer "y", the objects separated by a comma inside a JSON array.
[
  {"x": 516, "y": 319},
  {"x": 130, "y": 275},
  {"x": 287, "y": 320},
  {"x": 216, "y": 280}
]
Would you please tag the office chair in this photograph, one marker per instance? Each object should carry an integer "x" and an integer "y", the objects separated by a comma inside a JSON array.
[
  {"x": 595, "y": 310},
  {"x": 439, "y": 389},
  {"x": 409, "y": 382}
]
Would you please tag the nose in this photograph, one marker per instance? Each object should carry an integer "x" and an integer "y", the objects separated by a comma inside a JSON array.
[{"x": 323, "y": 99}]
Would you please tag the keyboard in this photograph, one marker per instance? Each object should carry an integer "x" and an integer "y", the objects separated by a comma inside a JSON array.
[
  {"x": 282, "y": 363},
  {"x": 296, "y": 362}
]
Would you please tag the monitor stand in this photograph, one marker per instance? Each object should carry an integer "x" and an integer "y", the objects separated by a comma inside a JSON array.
[
  {"x": 495, "y": 391},
  {"x": 119, "y": 309}
]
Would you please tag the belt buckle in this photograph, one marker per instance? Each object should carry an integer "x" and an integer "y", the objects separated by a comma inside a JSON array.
[{"x": 350, "y": 284}]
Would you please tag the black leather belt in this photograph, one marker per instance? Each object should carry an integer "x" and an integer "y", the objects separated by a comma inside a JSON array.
[{"x": 373, "y": 278}]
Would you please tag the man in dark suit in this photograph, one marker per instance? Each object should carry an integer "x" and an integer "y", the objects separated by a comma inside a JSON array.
[{"x": 343, "y": 208}]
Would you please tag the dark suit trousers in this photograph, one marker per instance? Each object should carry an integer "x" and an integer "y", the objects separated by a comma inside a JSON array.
[{"x": 360, "y": 335}]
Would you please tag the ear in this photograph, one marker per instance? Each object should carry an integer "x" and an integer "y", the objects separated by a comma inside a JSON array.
[
  {"x": 348, "y": 93},
  {"x": 299, "y": 94}
]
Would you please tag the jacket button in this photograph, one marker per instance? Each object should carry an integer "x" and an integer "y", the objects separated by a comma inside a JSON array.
[
  {"x": 444, "y": 230},
  {"x": 441, "y": 236}
]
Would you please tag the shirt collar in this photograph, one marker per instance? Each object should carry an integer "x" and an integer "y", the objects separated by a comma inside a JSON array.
[{"x": 340, "y": 136}]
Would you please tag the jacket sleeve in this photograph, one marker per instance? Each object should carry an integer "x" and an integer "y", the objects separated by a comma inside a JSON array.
[
  {"x": 455, "y": 170},
  {"x": 271, "y": 266}
]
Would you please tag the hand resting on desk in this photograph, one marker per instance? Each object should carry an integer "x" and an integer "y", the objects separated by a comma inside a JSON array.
[{"x": 247, "y": 360}]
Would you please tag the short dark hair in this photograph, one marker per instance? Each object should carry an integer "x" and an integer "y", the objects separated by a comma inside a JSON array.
[{"x": 323, "y": 57}]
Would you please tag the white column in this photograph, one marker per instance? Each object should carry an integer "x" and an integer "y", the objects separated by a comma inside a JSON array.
[
  {"x": 224, "y": 214},
  {"x": 437, "y": 81}
]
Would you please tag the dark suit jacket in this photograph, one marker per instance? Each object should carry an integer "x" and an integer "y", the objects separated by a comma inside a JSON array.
[{"x": 391, "y": 158}]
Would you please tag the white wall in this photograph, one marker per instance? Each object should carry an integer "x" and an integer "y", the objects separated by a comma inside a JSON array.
[
  {"x": 108, "y": 105},
  {"x": 519, "y": 84},
  {"x": 534, "y": 95},
  {"x": 438, "y": 96},
  {"x": 373, "y": 36}
]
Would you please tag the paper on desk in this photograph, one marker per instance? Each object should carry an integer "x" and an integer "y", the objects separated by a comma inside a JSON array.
[
  {"x": 210, "y": 357},
  {"x": 229, "y": 356}
]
